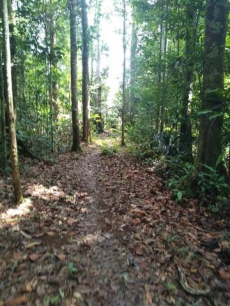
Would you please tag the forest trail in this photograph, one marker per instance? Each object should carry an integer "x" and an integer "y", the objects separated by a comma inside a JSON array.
[{"x": 102, "y": 230}]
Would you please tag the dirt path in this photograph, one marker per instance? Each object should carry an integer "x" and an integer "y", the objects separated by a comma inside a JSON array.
[
  {"x": 102, "y": 230},
  {"x": 112, "y": 269}
]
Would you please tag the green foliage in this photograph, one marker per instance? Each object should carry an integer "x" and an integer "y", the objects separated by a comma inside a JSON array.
[
  {"x": 71, "y": 268},
  {"x": 183, "y": 251},
  {"x": 170, "y": 287},
  {"x": 210, "y": 186},
  {"x": 52, "y": 300},
  {"x": 108, "y": 150}
]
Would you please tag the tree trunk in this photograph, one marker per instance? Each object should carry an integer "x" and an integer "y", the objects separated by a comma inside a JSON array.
[
  {"x": 10, "y": 106},
  {"x": 73, "y": 42},
  {"x": 209, "y": 143},
  {"x": 98, "y": 94},
  {"x": 185, "y": 144},
  {"x": 133, "y": 70},
  {"x": 96, "y": 58},
  {"x": 85, "y": 70},
  {"x": 53, "y": 85},
  {"x": 13, "y": 50},
  {"x": 124, "y": 77},
  {"x": 3, "y": 115}
]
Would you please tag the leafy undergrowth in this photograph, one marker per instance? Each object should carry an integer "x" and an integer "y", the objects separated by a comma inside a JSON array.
[{"x": 101, "y": 229}]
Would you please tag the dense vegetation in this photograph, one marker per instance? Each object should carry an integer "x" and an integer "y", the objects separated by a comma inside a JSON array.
[{"x": 173, "y": 100}]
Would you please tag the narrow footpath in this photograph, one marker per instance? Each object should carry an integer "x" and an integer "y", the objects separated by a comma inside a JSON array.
[{"x": 102, "y": 230}]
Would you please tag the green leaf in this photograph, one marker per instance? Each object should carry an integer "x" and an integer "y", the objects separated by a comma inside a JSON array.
[
  {"x": 205, "y": 112},
  {"x": 219, "y": 159},
  {"x": 215, "y": 116},
  {"x": 179, "y": 195},
  {"x": 209, "y": 168}
]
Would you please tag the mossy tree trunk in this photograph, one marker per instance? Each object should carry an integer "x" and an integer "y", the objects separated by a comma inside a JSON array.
[
  {"x": 10, "y": 107},
  {"x": 209, "y": 143}
]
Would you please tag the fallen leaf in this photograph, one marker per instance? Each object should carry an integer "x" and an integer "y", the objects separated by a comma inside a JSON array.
[
  {"x": 25, "y": 234},
  {"x": 139, "y": 249},
  {"x": 16, "y": 301},
  {"x": 148, "y": 295},
  {"x": 136, "y": 221},
  {"x": 224, "y": 273},
  {"x": 61, "y": 256},
  {"x": 51, "y": 234},
  {"x": 34, "y": 257},
  {"x": 17, "y": 256},
  {"x": 33, "y": 244}
]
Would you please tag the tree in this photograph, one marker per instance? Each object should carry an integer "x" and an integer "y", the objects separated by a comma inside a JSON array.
[
  {"x": 98, "y": 95},
  {"x": 124, "y": 75},
  {"x": 10, "y": 107},
  {"x": 3, "y": 115},
  {"x": 73, "y": 45},
  {"x": 85, "y": 69},
  {"x": 211, "y": 119},
  {"x": 133, "y": 60},
  {"x": 185, "y": 144}
]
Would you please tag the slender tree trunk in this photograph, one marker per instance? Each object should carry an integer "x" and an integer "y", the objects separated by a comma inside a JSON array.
[
  {"x": 124, "y": 77},
  {"x": 54, "y": 91},
  {"x": 99, "y": 89},
  {"x": 164, "y": 85},
  {"x": 133, "y": 70},
  {"x": 209, "y": 143},
  {"x": 85, "y": 70},
  {"x": 3, "y": 115},
  {"x": 10, "y": 106},
  {"x": 51, "y": 61},
  {"x": 73, "y": 43},
  {"x": 158, "y": 106},
  {"x": 13, "y": 51},
  {"x": 99, "y": 123}
]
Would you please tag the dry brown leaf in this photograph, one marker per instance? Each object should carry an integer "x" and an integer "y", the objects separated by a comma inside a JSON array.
[
  {"x": 148, "y": 295},
  {"x": 17, "y": 256},
  {"x": 136, "y": 221},
  {"x": 30, "y": 285},
  {"x": 17, "y": 301},
  {"x": 171, "y": 300},
  {"x": 224, "y": 273},
  {"x": 139, "y": 249},
  {"x": 34, "y": 257},
  {"x": 33, "y": 244},
  {"x": 61, "y": 256},
  {"x": 51, "y": 234}
]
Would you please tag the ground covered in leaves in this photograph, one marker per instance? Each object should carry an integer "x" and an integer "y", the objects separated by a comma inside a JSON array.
[{"x": 102, "y": 230}]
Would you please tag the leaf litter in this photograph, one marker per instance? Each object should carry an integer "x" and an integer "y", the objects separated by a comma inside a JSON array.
[{"x": 97, "y": 230}]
